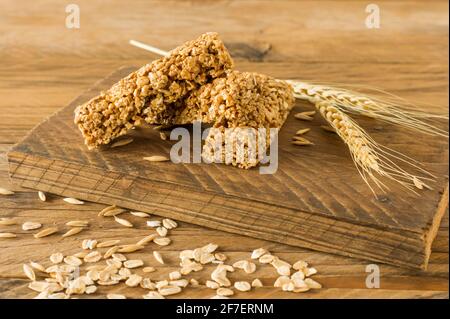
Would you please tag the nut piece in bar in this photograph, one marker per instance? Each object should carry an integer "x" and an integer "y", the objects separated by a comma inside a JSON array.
[{"x": 155, "y": 92}]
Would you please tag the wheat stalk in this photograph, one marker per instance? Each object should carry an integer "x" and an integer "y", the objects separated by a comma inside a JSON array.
[{"x": 391, "y": 109}]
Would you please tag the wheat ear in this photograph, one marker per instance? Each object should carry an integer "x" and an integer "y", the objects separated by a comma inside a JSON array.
[{"x": 390, "y": 109}]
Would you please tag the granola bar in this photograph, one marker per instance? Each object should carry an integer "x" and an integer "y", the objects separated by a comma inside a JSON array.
[
  {"x": 239, "y": 100},
  {"x": 154, "y": 93}
]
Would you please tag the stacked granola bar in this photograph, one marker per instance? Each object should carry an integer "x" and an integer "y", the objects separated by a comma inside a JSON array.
[{"x": 155, "y": 92}]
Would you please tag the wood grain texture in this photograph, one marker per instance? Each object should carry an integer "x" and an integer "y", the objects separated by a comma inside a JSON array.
[{"x": 47, "y": 65}]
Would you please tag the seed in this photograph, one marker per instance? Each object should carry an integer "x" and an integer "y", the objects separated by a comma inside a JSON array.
[
  {"x": 162, "y": 241},
  {"x": 242, "y": 286},
  {"x": 29, "y": 272},
  {"x": 194, "y": 282},
  {"x": 46, "y": 232},
  {"x": 169, "y": 290},
  {"x": 114, "y": 212},
  {"x": 111, "y": 251},
  {"x": 310, "y": 271},
  {"x": 133, "y": 280},
  {"x": 107, "y": 282},
  {"x": 281, "y": 281},
  {"x": 119, "y": 257},
  {"x": 140, "y": 214},
  {"x": 153, "y": 295},
  {"x": 78, "y": 223},
  {"x": 240, "y": 264},
  {"x": 31, "y": 225},
  {"x": 312, "y": 283},
  {"x": 42, "y": 196},
  {"x": 212, "y": 284},
  {"x": 115, "y": 296},
  {"x": 73, "y": 201},
  {"x": 224, "y": 292},
  {"x": 266, "y": 259},
  {"x": 133, "y": 263},
  {"x": 108, "y": 243},
  {"x": 122, "y": 142},
  {"x": 4, "y": 191},
  {"x": 129, "y": 248},
  {"x": 158, "y": 257},
  {"x": 73, "y": 231},
  {"x": 299, "y": 265},
  {"x": 309, "y": 113},
  {"x": 153, "y": 223},
  {"x": 93, "y": 257},
  {"x": 303, "y": 289},
  {"x": 148, "y": 269},
  {"x": 163, "y": 136},
  {"x": 258, "y": 253},
  {"x": 90, "y": 289},
  {"x": 299, "y": 275},
  {"x": 220, "y": 256},
  {"x": 156, "y": 158},
  {"x": 328, "y": 128},
  {"x": 302, "y": 131},
  {"x": 37, "y": 266},
  {"x": 288, "y": 286},
  {"x": 249, "y": 268},
  {"x": 56, "y": 258},
  {"x": 303, "y": 117},
  {"x": 146, "y": 283},
  {"x": 257, "y": 283},
  {"x": 301, "y": 141},
  {"x": 107, "y": 209},
  {"x": 7, "y": 222},
  {"x": 123, "y": 222},
  {"x": 147, "y": 239},
  {"x": 169, "y": 223},
  {"x": 114, "y": 262},
  {"x": 180, "y": 283},
  {"x": 283, "y": 268},
  {"x": 81, "y": 254},
  {"x": 417, "y": 183},
  {"x": 162, "y": 231},
  {"x": 73, "y": 261},
  {"x": 161, "y": 283}
]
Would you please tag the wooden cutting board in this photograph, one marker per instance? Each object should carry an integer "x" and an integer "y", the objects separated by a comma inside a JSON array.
[{"x": 316, "y": 199}]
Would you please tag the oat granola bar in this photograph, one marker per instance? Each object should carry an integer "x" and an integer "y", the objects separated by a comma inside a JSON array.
[
  {"x": 154, "y": 93},
  {"x": 239, "y": 100}
]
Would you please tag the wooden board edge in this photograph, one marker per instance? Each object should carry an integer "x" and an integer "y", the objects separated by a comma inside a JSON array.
[{"x": 430, "y": 235}]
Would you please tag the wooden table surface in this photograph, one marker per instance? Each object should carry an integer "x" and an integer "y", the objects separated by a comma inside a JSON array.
[{"x": 44, "y": 65}]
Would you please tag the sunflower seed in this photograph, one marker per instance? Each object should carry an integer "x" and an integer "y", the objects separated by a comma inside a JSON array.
[
  {"x": 31, "y": 225},
  {"x": 133, "y": 280},
  {"x": 140, "y": 214},
  {"x": 42, "y": 196},
  {"x": 56, "y": 258},
  {"x": 122, "y": 142},
  {"x": 123, "y": 222},
  {"x": 7, "y": 222},
  {"x": 46, "y": 232},
  {"x": 29, "y": 272},
  {"x": 77, "y": 223},
  {"x": 162, "y": 241},
  {"x": 108, "y": 243},
  {"x": 242, "y": 286},
  {"x": 133, "y": 263},
  {"x": 156, "y": 158},
  {"x": 158, "y": 257},
  {"x": 4, "y": 191},
  {"x": 73, "y": 231},
  {"x": 258, "y": 253},
  {"x": 73, "y": 201}
]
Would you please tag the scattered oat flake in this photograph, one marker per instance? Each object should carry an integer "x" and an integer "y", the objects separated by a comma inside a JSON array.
[
  {"x": 224, "y": 292},
  {"x": 73, "y": 261},
  {"x": 133, "y": 263},
  {"x": 4, "y": 191},
  {"x": 242, "y": 286},
  {"x": 162, "y": 241},
  {"x": 122, "y": 142},
  {"x": 153, "y": 295},
  {"x": 169, "y": 290},
  {"x": 73, "y": 201},
  {"x": 257, "y": 283},
  {"x": 133, "y": 280},
  {"x": 162, "y": 231},
  {"x": 156, "y": 158},
  {"x": 115, "y": 296},
  {"x": 311, "y": 283},
  {"x": 148, "y": 269},
  {"x": 37, "y": 266},
  {"x": 258, "y": 253},
  {"x": 169, "y": 223},
  {"x": 153, "y": 223},
  {"x": 56, "y": 258},
  {"x": 158, "y": 257},
  {"x": 31, "y": 225},
  {"x": 29, "y": 272},
  {"x": 42, "y": 196}
]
